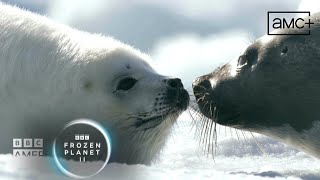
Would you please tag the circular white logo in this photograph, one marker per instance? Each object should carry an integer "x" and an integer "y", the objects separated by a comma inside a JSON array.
[{"x": 82, "y": 149}]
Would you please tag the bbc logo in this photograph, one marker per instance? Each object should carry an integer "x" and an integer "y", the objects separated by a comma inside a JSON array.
[
  {"x": 27, "y": 143},
  {"x": 27, "y": 147},
  {"x": 81, "y": 137}
]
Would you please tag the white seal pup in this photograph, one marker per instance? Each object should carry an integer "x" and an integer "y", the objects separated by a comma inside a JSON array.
[
  {"x": 273, "y": 88},
  {"x": 51, "y": 74}
]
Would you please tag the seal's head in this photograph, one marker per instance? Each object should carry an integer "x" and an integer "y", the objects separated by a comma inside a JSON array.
[
  {"x": 52, "y": 74},
  {"x": 271, "y": 88},
  {"x": 114, "y": 84},
  {"x": 123, "y": 91}
]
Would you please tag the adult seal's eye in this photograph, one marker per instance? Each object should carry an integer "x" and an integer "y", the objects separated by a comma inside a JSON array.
[
  {"x": 284, "y": 50},
  {"x": 242, "y": 61},
  {"x": 126, "y": 84}
]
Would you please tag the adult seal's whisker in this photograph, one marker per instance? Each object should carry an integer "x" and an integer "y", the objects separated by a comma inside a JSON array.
[{"x": 272, "y": 89}]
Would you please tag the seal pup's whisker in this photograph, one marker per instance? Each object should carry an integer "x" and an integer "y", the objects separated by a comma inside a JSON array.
[{"x": 66, "y": 74}]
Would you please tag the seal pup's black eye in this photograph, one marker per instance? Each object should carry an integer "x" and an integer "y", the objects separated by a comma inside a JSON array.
[
  {"x": 126, "y": 84},
  {"x": 284, "y": 50}
]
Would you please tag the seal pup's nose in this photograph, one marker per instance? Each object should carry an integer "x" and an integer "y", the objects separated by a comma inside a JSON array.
[
  {"x": 176, "y": 94},
  {"x": 175, "y": 83}
]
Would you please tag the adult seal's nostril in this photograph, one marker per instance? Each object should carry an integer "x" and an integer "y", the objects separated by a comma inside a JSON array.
[
  {"x": 197, "y": 81},
  {"x": 201, "y": 85},
  {"x": 202, "y": 81},
  {"x": 264, "y": 97},
  {"x": 175, "y": 83}
]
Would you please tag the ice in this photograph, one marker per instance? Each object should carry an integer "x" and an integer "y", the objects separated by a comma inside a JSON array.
[{"x": 183, "y": 158}]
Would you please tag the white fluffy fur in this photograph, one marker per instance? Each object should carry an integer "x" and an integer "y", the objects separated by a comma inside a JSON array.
[{"x": 51, "y": 74}]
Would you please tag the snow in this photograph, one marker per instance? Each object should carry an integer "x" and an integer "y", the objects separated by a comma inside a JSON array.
[
  {"x": 183, "y": 158},
  {"x": 237, "y": 156}
]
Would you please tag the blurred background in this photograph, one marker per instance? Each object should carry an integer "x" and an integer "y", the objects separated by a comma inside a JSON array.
[{"x": 186, "y": 39}]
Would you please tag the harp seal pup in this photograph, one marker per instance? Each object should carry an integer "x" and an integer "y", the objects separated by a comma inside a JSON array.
[
  {"x": 272, "y": 88},
  {"x": 51, "y": 74}
]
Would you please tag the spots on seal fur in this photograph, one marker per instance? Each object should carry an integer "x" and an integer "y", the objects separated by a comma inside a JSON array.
[{"x": 272, "y": 89}]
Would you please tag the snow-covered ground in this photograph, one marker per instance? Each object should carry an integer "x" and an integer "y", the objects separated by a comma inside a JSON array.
[
  {"x": 236, "y": 158},
  {"x": 184, "y": 55}
]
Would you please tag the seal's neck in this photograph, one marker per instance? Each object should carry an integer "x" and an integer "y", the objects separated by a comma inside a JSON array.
[{"x": 306, "y": 140}]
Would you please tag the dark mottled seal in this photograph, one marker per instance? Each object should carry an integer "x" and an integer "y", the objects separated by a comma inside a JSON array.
[{"x": 273, "y": 88}]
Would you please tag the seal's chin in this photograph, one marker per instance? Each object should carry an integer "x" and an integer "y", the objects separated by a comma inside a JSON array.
[
  {"x": 154, "y": 121},
  {"x": 176, "y": 102},
  {"x": 150, "y": 123},
  {"x": 218, "y": 115},
  {"x": 228, "y": 118}
]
